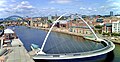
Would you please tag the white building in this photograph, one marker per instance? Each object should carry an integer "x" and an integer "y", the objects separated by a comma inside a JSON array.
[
  {"x": 116, "y": 27},
  {"x": 49, "y": 17}
]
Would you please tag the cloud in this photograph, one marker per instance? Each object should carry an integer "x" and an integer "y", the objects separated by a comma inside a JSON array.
[
  {"x": 18, "y": 8},
  {"x": 82, "y": 8},
  {"x": 24, "y": 5},
  {"x": 114, "y": 5},
  {"x": 2, "y": 3},
  {"x": 90, "y": 9},
  {"x": 61, "y": 1}
]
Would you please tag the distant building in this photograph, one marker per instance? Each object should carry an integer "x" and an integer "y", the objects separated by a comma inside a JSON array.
[
  {"x": 80, "y": 29},
  {"x": 72, "y": 16},
  {"x": 49, "y": 17},
  {"x": 111, "y": 13},
  {"x": 116, "y": 27},
  {"x": 100, "y": 20},
  {"x": 62, "y": 23},
  {"x": 107, "y": 28}
]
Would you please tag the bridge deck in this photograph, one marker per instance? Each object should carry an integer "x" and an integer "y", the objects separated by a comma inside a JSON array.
[{"x": 110, "y": 46}]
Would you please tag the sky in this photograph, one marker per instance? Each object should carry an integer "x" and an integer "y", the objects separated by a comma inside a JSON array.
[{"x": 36, "y": 8}]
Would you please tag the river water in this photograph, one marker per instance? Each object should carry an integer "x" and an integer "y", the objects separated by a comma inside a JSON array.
[{"x": 63, "y": 43}]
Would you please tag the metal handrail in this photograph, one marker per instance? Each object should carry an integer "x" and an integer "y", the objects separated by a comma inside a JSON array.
[{"x": 79, "y": 53}]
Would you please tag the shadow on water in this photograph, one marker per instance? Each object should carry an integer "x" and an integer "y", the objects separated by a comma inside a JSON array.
[{"x": 110, "y": 57}]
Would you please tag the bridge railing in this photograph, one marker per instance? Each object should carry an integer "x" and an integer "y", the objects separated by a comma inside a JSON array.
[{"x": 109, "y": 45}]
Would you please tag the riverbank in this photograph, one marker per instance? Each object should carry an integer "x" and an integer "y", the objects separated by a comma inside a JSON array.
[
  {"x": 65, "y": 31},
  {"x": 29, "y": 36}
]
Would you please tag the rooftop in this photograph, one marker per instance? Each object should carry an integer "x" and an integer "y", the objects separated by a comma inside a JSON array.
[{"x": 8, "y": 31}]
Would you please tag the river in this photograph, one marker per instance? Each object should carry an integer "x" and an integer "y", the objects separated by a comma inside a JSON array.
[{"x": 57, "y": 42}]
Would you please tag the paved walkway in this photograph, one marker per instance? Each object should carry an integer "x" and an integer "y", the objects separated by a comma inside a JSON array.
[{"x": 18, "y": 53}]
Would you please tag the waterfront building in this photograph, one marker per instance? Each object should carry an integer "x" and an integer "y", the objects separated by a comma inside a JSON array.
[
  {"x": 116, "y": 27},
  {"x": 80, "y": 29},
  {"x": 107, "y": 28},
  {"x": 62, "y": 23}
]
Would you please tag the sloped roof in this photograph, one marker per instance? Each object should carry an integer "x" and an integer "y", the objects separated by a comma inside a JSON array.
[
  {"x": 108, "y": 24},
  {"x": 8, "y": 31}
]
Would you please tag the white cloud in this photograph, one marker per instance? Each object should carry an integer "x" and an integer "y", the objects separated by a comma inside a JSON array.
[
  {"x": 95, "y": 10},
  {"x": 90, "y": 9},
  {"x": 82, "y": 8},
  {"x": 24, "y": 5},
  {"x": 1, "y": 9},
  {"x": 116, "y": 3},
  {"x": 2, "y": 3},
  {"x": 18, "y": 8},
  {"x": 61, "y": 1}
]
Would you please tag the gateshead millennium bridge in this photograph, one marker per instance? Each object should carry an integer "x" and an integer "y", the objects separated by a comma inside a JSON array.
[{"x": 40, "y": 54}]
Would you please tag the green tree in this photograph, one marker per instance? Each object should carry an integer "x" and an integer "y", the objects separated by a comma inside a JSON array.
[
  {"x": 49, "y": 21},
  {"x": 108, "y": 34},
  {"x": 115, "y": 34},
  {"x": 1, "y": 27},
  {"x": 98, "y": 26}
]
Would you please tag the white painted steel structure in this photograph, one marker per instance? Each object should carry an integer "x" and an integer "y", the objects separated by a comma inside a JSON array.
[{"x": 41, "y": 55}]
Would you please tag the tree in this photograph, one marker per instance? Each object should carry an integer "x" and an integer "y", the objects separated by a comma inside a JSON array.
[
  {"x": 98, "y": 26},
  {"x": 108, "y": 34},
  {"x": 115, "y": 34},
  {"x": 1, "y": 27},
  {"x": 49, "y": 21}
]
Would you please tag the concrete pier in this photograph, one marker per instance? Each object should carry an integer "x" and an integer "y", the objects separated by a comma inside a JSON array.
[{"x": 18, "y": 53}]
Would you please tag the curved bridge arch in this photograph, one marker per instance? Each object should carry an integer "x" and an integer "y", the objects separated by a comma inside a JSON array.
[
  {"x": 22, "y": 19},
  {"x": 8, "y": 18}
]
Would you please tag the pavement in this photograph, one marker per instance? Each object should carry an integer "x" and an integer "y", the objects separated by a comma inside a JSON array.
[{"x": 17, "y": 52}]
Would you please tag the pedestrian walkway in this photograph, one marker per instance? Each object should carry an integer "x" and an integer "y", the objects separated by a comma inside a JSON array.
[{"x": 18, "y": 53}]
